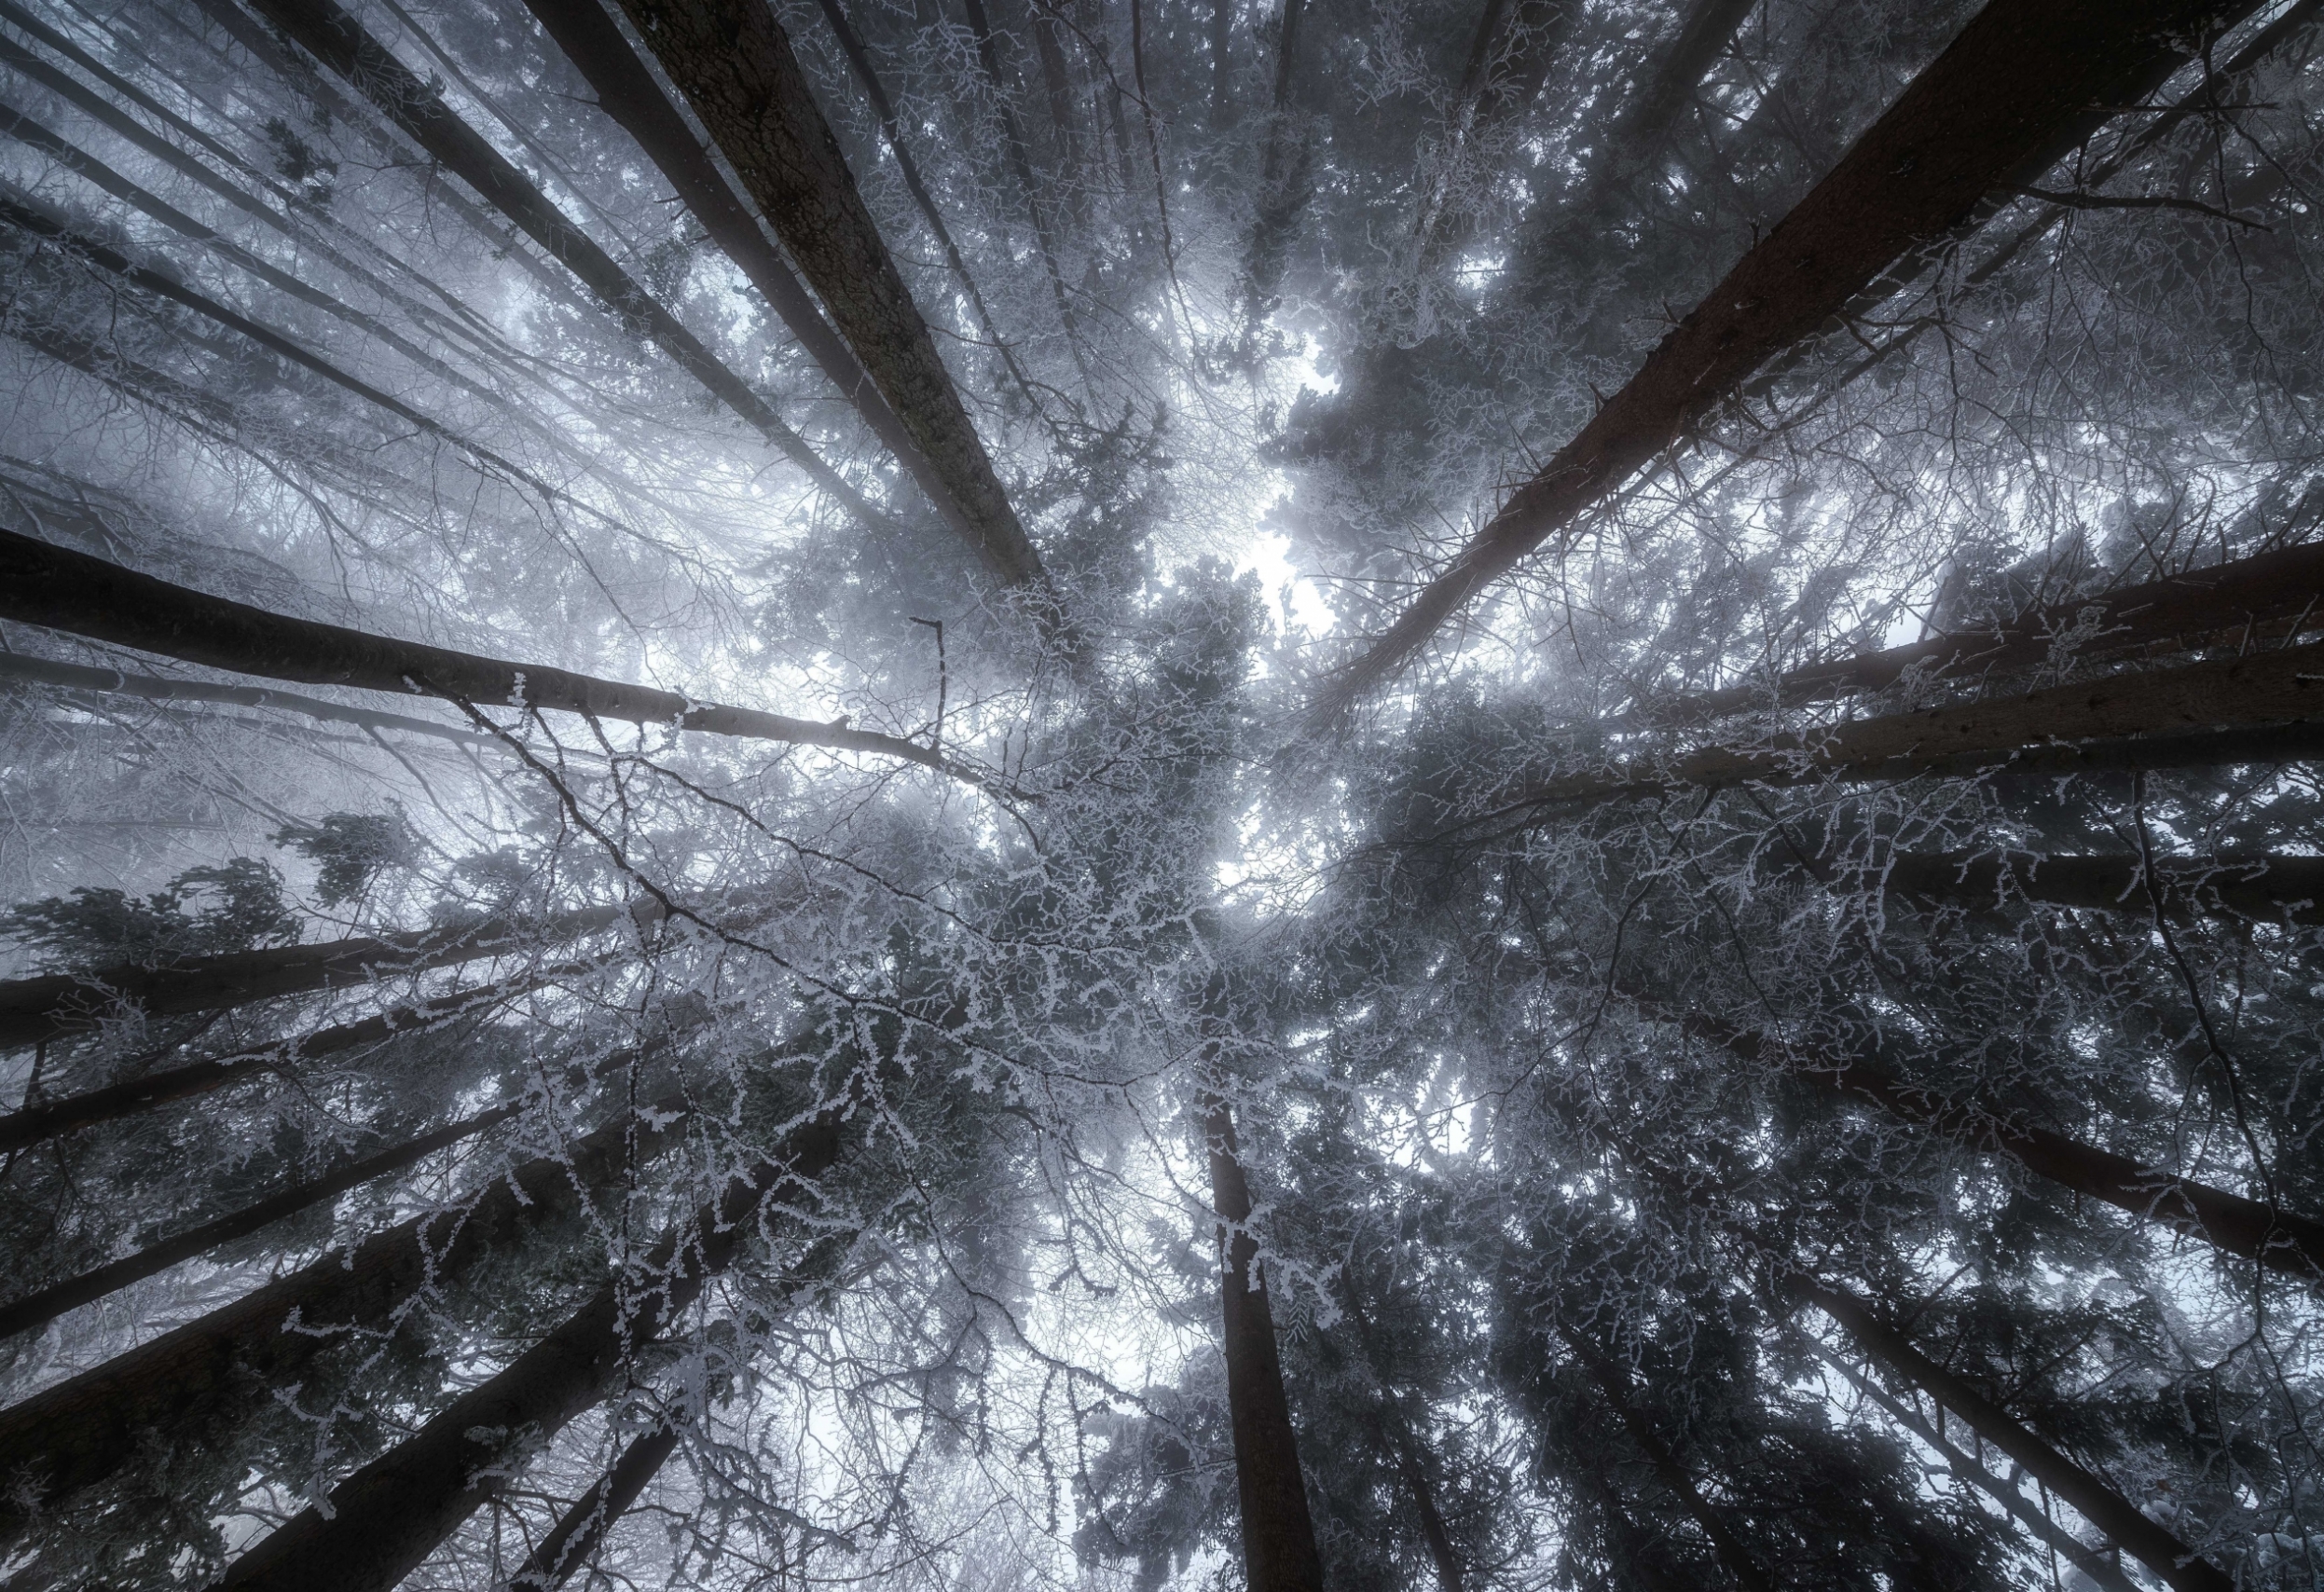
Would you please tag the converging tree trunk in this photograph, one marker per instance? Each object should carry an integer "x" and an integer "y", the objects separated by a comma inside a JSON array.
[
  {"x": 574, "y": 1539},
  {"x": 1986, "y": 113}
]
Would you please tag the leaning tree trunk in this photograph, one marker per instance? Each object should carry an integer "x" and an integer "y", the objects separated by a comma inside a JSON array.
[
  {"x": 335, "y": 38},
  {"x": 2178, "y": 1565},
  {"x": 1986, "y": 113},
  {"x": 1278, "y": 1535},
  {"x": 89, "y": 681},
  {"x": 44, "y": 584},
  {"x": 389, "y": 1515},
  {"x": 1020, "y": 162},
  {"x": 734, "y": 63},
  {"x": 2270, "y": 888},
  {"x": 579, "y": 1531},
  {"x": 201, "y": 1379}
]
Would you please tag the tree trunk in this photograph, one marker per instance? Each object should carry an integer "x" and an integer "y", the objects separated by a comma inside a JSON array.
[
  {"x": 197, "y": 1380},
  {"x": 2098, "y": 1502},
  {"x": 339, "y": 42},
  {"x": 38, "y": 1310},
  {"x": 2260, "y": 597},
  {"x": 2270, "y": 888},
  {"x": 628, "y": 93},
  {"x": 37, "y": 1009},
  {"x": 59, "y": 589},
  {"x": 579, "y": 1531},
  {"x": 2267, "y": 706},
  {"x": 2292, "y": 1245},
  {"x": 734, "y": 63},
  {"x": 2095, "y": 1565},
  {"x": 1021, "y": 161},
  {"x": 1997, "y": 101},
  {"x": 1615, "y": 1389},
  {"x": 1283, "y": 186},
  {"x": 53, "y": 1119},
  {"x": 1644, "y": 126},
  {"x": 389, "y": 1515},
  {"x": 1278, "y": 1535},
  {"x": 1221, "y": 64},
  {"x": 78, "y": 677}
]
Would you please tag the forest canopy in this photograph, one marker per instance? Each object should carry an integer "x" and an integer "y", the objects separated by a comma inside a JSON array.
[{"x": 1132, "y": 794}]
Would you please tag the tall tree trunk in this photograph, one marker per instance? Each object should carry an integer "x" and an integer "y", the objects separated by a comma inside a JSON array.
[
  {"x": 579, "y": 1531},
  {"x": 52, "y": 1118},
  {"x": 39, "y": 1308},
  {"x": 2271, "y": 888},
  {"x": 81, "y": 678},
  {"x": 2100, "y": 1504},
  {"x": 2260, "y": 597},
  {"x": 1283, "y": 186},
  {"x": 1509, "y": 57},
  {"x": 1987, "y": 114},
  {"x": 390, "y": 1514},
  {"x": 2267, "y": 706},
  {"x": 1639, "y": 134},
  {"x": 628, "y": 93},
  {"x": 2095, "y": 1565},
  {"x": 1615, "y": 1388},
  {"x": 734, "y": 63},
  {"x": 339, "y": 42},
  {"x": 56, "y": 588},
  {"x": 1278, "y": 1535},
  {"x": 2278, "y": 1239},
  {"x": 1021, "y": 161},
  {"x": 37, "y": 1008},
  {"x": 1221, "y": 64},
  {"x": 201, "y": 1378}
]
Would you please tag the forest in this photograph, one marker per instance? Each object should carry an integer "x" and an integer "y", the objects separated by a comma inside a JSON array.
[{"x": 1117, "y": 795}]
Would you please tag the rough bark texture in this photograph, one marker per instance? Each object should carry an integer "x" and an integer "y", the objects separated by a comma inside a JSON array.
[
  {"x": 2098, "y": 1502},
  {"x": 392, "y": 1514},
  {"x": 338, "y": 41},
  {"x": 1976, "y": 119},
  {"x": 579, "y": 1531},
  {"x": 38, "y": 1310},
  {"x": 2278, "y": 1239},
  {"x": 734, "y": 63},
  {"x": 2274, "y": 889},
  {"x": 1278, "y": 1534},
  {"x": 55, "y": 587},
  {"x": 2267, "y": 706},
  {"x": 33, "y": 1009},
  {"x": 201, "y": 1378}
]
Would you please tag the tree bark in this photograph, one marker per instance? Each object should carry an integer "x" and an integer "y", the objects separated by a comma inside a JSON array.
[
  {"x": 1645, "y": 125},
  {"x": 80, "y": 677},
  {"x": 1986, "y": 113},
  {"x": 2278, "y": 1239},
  {"x": 1283, "y": 186},
  {"x": 388, "y": 1516},
  {"x": 2095, "y": 1565},
  {"x": 734, "y": 63},
  {"x": 39, "y": 1308},
  {"x": 37, "y": 1008},
  {"x": 1615, "y": 1389},
  {"x": 2270, "y": 888},
  {"x": 579, "y": 1531},
  {"x": 628, "y": 93},
  {"x": 1278, "y": 1534},
  {"x": 2100, "y": 1504},
  {"x": 2268, "y": 706},
  {"x": 1021, "y": 161},
  {"x": 339, "y": 42},
  {"x": 197, "y": 1381},
  {"x": 56, "y": 588},
  {"x": 2260, "y": 597}
]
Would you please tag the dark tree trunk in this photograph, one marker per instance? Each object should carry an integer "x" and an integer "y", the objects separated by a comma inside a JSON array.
[
  {"x": 1021, "y": 161},
  {"x": 388, "y": 1516},
  {"x": 38, "y": 1310},
  {"x": 50, "y": 1119},
  {"x": 2098, "y": 1502},
  {"x": 1980, "y": 118},
  {"x": 339, "y": 42},
  {"x": 59, "y": 589},
  {"x": 1614, "y": 1386},
  {"x": 2273, "y": 889},
  {"x": 2279, "y": 1239},
  {"x": 628, "y": 93},
  {"x": 1221, "y": 64},
  {"x": 201, "y": 1378},
  {"x": 1278, "y": 1534},
  {"x": 79, "y": 678},
  {"x": 2265, "y": 708},
  {"x": 1282, "y": 185},
  {"x": 734, "y": 63},
  {"x": 1644, "y": 126},
  {"x": 2256, "y": 598},
  {"x": 2095, "y": 1565},
  {"x": 1509, "y": 57},
  {"x": 33, "y": 1009},
  {"x": 579, "y": 1531}
]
